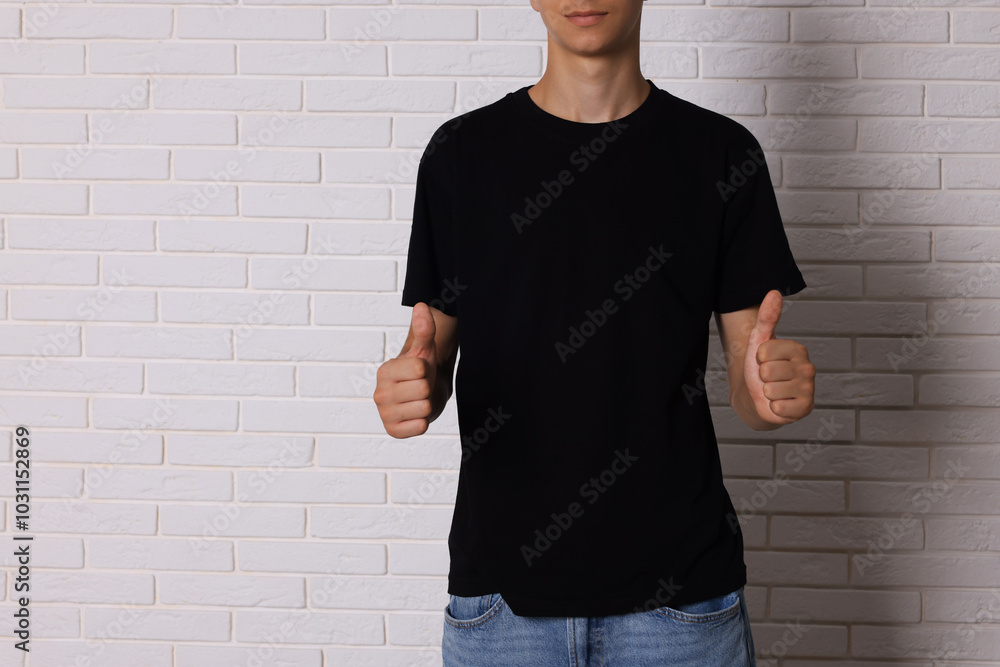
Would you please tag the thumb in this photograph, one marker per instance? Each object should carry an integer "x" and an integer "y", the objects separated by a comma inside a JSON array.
[
  {"x": 424, "y": 329},
  {"x": 767, "y": 317}
]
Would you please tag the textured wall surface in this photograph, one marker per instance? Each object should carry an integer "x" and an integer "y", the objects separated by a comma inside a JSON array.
[{"x": 205, "y": 211}]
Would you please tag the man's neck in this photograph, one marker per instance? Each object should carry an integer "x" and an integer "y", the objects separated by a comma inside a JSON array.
[{"x": 590, "y": 99}]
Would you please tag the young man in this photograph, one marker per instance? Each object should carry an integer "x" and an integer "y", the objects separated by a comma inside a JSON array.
[{"x": 575, "y": 237}]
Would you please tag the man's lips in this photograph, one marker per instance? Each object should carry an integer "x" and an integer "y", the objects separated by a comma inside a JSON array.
[{"x": 586, "y": 19}]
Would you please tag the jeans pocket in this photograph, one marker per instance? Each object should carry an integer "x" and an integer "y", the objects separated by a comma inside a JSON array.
[
  {"x": 467, "y": 612},
  {"x": 719, "y": 608}
]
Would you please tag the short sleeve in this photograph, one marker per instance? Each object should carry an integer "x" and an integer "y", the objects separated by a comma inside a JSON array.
[
  {"x": 430, "y": 265},
  {"x": 754, "y": 256}
]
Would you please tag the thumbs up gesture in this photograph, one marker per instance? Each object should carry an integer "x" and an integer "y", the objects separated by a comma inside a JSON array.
[
  {"x": 777, "y": 373},
  {"x": 405, "y": 386}
]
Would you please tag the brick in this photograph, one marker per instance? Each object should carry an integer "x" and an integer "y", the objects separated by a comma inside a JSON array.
[
  {"x": 312, "y": 556},
  {"x": 954, "y": 534},
  {"x": 853, "y": 99},
  {"x": 974, "y": 425},
  {"x": 387, "y": 452},
  {"x": 380, "y": 522},
  {"x": 138, "y": 484},
  {"x": 151, "y": 199},
  {"x": 89, "y": 518},
  {"x": 78, "y": 376},
  {"x": 240, "y": 449},
  {"x": 58, "y": 653},
  {"x": 231, "y": 590},
  {"x": 53, "y": 411},
  {"x": 230, "y": 93},
  {"x": 164, "y": 129},
  {"x": 161, "y": 58},
  {"x": 92, "y": 587},
  {"x": 937, "y": 280},
  {"x": 869, "y": 25},
  {"x": 33, "y": 128},
  {"x": 177, "y": 271},
  {"x": 158, "y": 553},
  {"x": 99, "y": 22},
  {"x": 927, "y": 138},
  {"x": 470, "y": 60},
  {"x": 76, "y": 92},
  {"x": 852, "y": 461},
  {"x": 221, "y": 379},
  {"x": 962, "y": 100},
  {"x": 309, "y": 487},
  {"x": 358, "y": 59},
  {"x": 250, "y": 310},
  {"x": 842, "y": 532},
  {"x": 250, "y": 23},
  {"x": 232, "y": 521},
  {"x": 953, "y": 389},
  {"x": 154, "y": 342},
  {"x": 923, "y": 641},
  {"x": 846, "y": 605},
  {"x": 860, "y": 171},
  {"x": 976, "y": 26},
  {"x": 161, "y": 624},
  {"x": 775, "y": 567},
  {"x": 778, "y": 62},
  {"x": 310, "y": 416},
  {"x": 419, "y": 558},
  {"x": 892, "y": 61},
  {"x": 193, "y": 655},
  {"x": 28, "y": 58},
  {"x": 167, "y": 413},
  {"x": 80, "y": 234},
  {"x": 311, "y": 345},
  {"x": 250, "y": 163},
  {"x": 970, "y": 173},
  {"x": 242, "y": 237},
  {"x": 391, "y": 96},
  {"x": 310, "y": 627}
]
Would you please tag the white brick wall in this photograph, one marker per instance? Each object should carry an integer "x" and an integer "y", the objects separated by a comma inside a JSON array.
[{"x": 204, "y": 215}]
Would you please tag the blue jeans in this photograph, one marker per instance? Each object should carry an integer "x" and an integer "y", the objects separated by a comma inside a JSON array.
[{"x": 482, "y": 631}]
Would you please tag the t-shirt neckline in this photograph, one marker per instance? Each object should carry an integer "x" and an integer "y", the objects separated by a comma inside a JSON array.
[{"x": 571, "y": 129}]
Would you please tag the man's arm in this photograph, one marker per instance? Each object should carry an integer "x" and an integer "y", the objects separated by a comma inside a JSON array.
[
  {"x": 780, "y": 387},
  {"x": 412, "y": 389},
  {"x": 446, "y": 347}
]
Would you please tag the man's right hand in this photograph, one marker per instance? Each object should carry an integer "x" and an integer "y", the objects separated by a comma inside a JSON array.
[{"x": 405, "y": 386}]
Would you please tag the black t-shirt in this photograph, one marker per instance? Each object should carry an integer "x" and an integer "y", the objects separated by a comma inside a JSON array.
[{"x": 584, "y": 261}]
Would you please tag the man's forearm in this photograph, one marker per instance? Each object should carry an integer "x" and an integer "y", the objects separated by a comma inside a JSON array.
[
  {"x": 743, "y": 405},
  {"x": 441, "y": 394}
]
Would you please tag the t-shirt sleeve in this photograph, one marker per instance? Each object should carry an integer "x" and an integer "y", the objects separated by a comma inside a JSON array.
[
  {"x": 754, "y": 253},
  {"x": 430, "y": 264}
]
